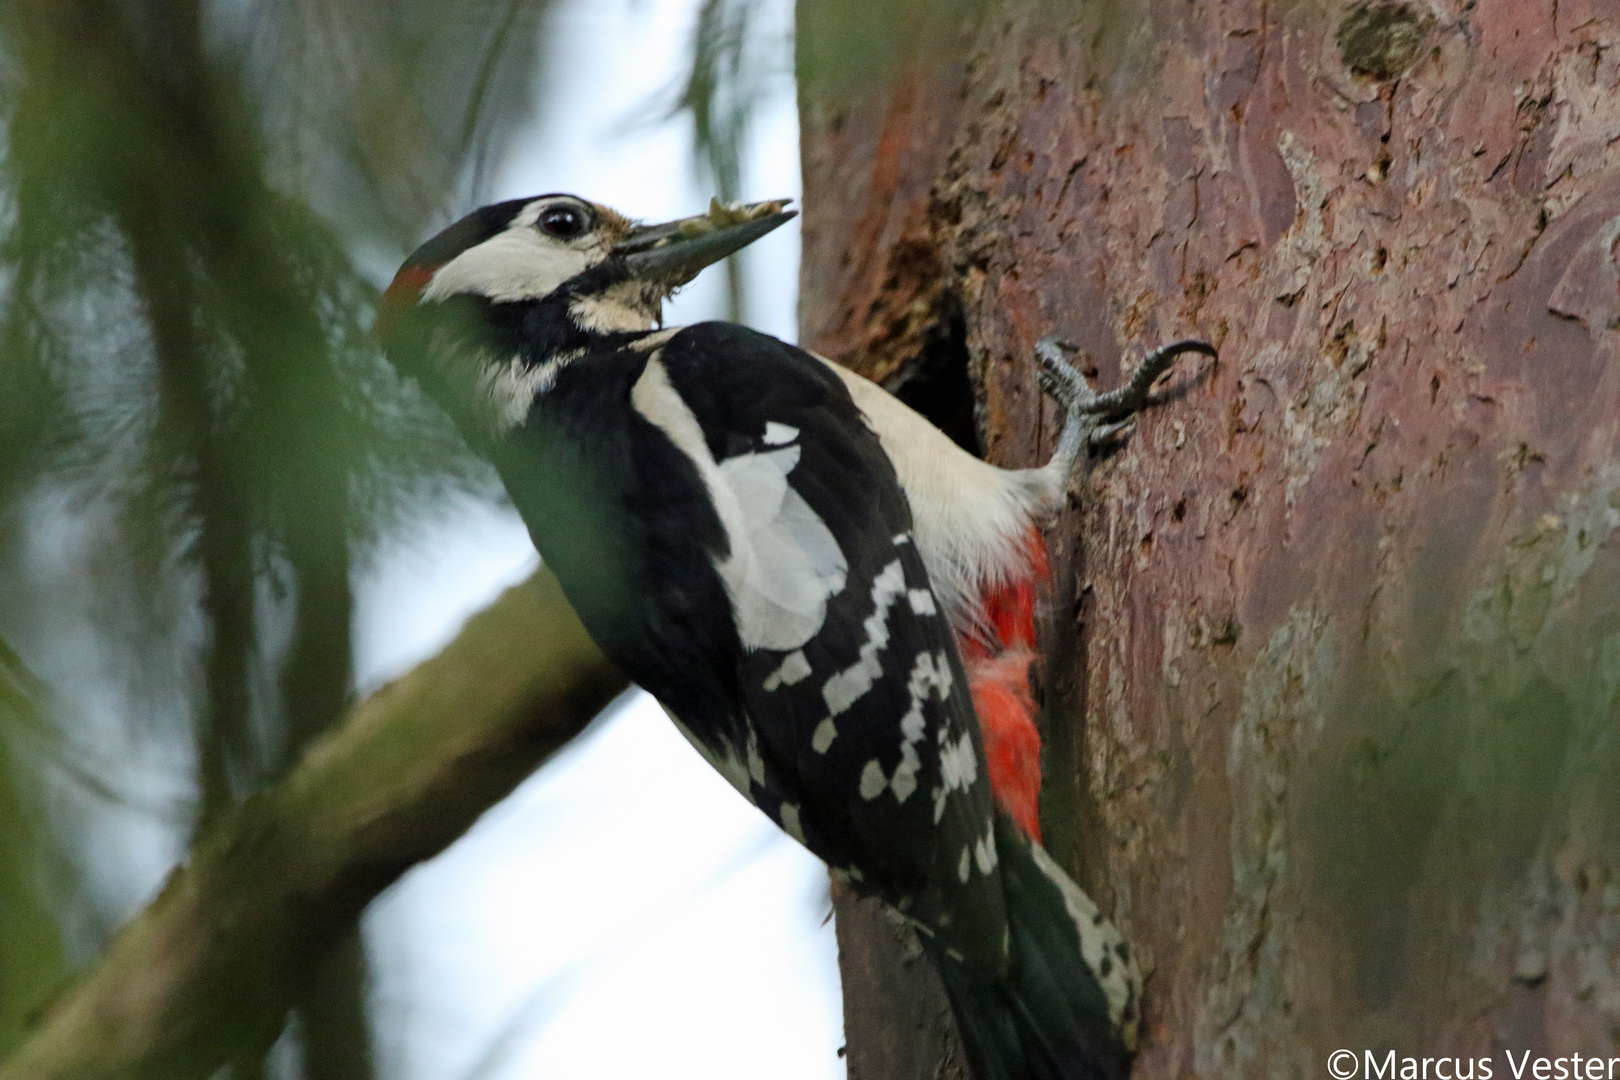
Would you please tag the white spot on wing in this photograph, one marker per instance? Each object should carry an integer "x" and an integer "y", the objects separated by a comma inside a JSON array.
[
  {"x": 930, "y": 674},
  {"x": 984, "y": 852},
  {"x": 911, "y": 726},
  {"x": 777, "y": 434},
  {"x": 793, "y": 669},
  {"x": 1099, "y": 939},
  {"x": 790, "y": 821},
  {"x": 872, "y": 780},
  {"x": 958, "y": 765},
  {"x": 756, "y": 764},
  {"x": 958, "y": 768},
  {"x": 965, "y": 868},
  {"x": 905, "y": 773},
  {"x": 823, "y": 737},
  {"x": 847, "y": 686},
  {"x": 922, "y": 602}
]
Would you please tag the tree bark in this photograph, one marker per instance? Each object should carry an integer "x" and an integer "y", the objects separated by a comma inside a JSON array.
[
  {"x": 235, "y": 937},
  {"x": 1332, "y": 655}
]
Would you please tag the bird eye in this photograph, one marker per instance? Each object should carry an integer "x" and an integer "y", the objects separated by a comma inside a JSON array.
[{"x": 564, "y": 222}]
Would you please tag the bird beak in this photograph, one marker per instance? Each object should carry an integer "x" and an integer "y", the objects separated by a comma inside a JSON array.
[{"x": 673, "y": 253}]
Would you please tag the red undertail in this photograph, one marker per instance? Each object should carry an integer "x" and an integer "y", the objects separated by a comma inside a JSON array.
[{"x": 998, "y": 674}]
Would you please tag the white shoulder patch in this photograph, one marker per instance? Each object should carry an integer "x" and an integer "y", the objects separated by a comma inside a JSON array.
[
  {"x": 788, "y": 563},
  {"x": 784, "y": 562},
  {"x": 652, "y": 342},
  {"x": 779, "y": 434}
]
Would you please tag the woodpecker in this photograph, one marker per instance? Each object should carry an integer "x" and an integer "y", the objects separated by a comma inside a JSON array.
[{"x": 794, "y": 564}]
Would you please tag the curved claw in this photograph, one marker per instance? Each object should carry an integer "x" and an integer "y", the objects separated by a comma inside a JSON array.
[
  {"x": 1133, "y": 395},
  {"x": 1103, "y": 434},
  {"x": 1093, "y": 419}
]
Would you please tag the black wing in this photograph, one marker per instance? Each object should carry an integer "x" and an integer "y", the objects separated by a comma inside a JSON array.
[{"x": 864, "y": 739}]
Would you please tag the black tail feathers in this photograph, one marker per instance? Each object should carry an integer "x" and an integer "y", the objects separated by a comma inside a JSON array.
[{"x": 1067, "y": 1007}]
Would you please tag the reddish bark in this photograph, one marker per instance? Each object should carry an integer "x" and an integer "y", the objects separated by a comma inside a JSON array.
[{"x": 1331, "y": 725}]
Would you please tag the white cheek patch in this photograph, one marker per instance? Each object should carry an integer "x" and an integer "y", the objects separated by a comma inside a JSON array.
[
  {"x": 518, "y": 264},
  {"x": 783, "y": 563}
]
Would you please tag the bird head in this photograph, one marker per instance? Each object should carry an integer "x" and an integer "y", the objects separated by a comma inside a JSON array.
[{"x": 487, "y": 311}]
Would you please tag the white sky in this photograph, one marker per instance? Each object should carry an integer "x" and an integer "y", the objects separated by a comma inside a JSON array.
[{"x": 625, "y": 913}]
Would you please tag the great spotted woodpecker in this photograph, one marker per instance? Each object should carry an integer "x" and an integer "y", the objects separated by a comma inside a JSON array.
[{"x": 794, "y": 564}]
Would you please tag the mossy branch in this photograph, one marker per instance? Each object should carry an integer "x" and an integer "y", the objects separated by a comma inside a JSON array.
[{"x": 211, "y": 965}]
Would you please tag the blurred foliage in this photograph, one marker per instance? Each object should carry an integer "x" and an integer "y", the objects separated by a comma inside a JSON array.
[
  {"x": 841, "y": 44},
  {"x": 198, "y": 438},
  {"x": 31, "y": 958},
  {"x": 199, "y": 442},
  {"x": 737, "y": 54},
  {"x": 842, "y": 47}
]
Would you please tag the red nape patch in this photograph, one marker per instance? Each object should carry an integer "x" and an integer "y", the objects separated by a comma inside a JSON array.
[
  {"x": 401, "y": 295},
  {"x": 1012, "y": 743}
]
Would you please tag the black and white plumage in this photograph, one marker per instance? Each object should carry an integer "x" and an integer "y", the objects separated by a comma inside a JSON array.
[{"x": 728, "y": 521}]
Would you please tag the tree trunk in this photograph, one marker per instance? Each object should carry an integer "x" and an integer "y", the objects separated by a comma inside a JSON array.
[{"x": 1332, "y": 655}]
